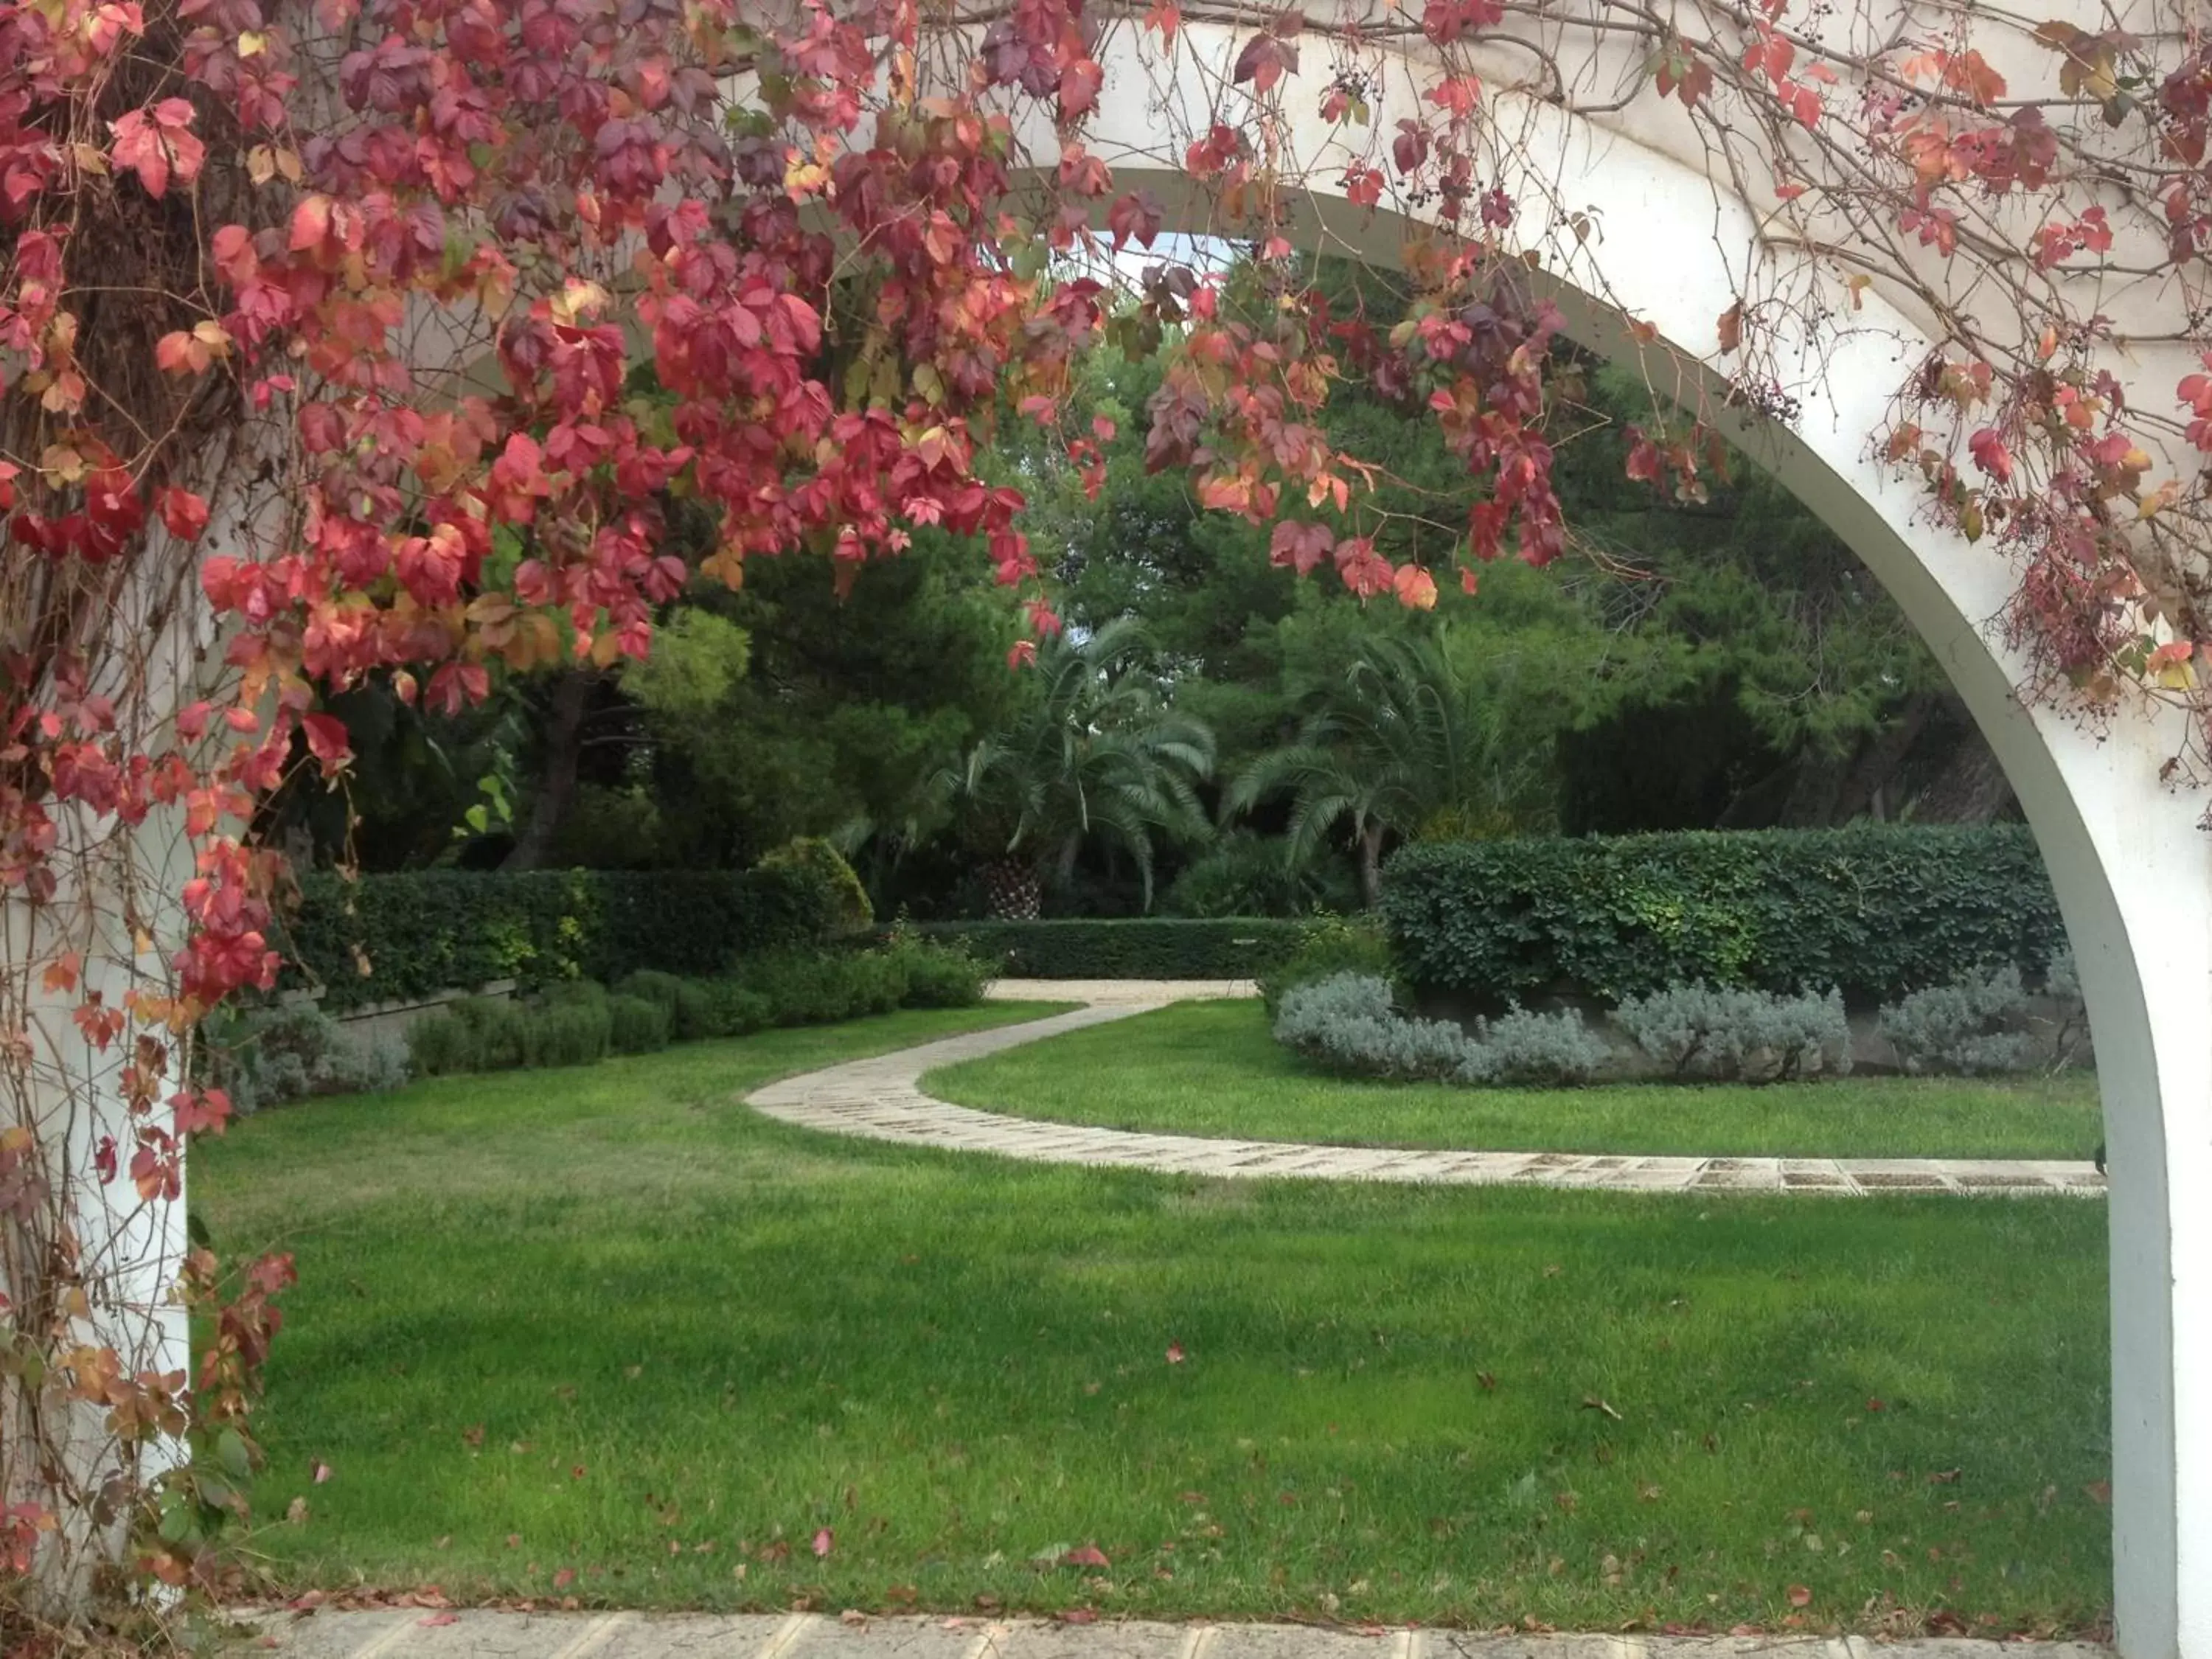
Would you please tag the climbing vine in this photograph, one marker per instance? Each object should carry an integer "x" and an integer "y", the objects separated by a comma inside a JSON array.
[{"x": 316, "y": 326}]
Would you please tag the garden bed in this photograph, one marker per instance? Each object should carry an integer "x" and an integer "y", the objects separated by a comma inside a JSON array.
[{"x": 1212, "y": 1069}]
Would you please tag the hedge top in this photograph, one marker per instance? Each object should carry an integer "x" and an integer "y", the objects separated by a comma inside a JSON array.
[{"x": 1876, "y": 911}]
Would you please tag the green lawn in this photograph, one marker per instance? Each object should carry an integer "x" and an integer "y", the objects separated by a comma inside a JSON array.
[
  {"x": 1211, "y": 1068},
  {"x": 607, "y": 1323}
]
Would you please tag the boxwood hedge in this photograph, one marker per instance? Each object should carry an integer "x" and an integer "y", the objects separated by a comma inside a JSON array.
[
  {"x": 1149, "y": 947},
  {"x": 1877, "y": 911},
  {"x": 385, "y": 936}
]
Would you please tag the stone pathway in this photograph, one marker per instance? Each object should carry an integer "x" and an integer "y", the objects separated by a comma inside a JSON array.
[
  {"x": 881, "y": 1099},
  {"x": 413, "y": 1634}
]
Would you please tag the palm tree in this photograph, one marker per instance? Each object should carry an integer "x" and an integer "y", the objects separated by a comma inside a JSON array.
[
  {"x": 1099, "y": 755},
  {"x": 1405, "y": 744}
]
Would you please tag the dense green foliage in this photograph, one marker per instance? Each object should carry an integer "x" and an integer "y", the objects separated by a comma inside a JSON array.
[
  {"x": 412, "y": 934},
  {"x": 576, "y": 1022},
  {"x": 1874, "y": 911},
  {"x": 1143, "y": 948}
]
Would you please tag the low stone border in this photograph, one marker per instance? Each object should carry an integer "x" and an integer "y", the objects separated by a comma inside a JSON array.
[
  {"x": 881, "y": 1099},
  {"x": 412, "y": 1634}
]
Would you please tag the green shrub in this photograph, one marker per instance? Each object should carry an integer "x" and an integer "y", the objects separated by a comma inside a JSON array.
[
  {"x": 839, "y": 898},
  {"x": 635, "y": 1026},
  {"x": 573, "y": 1032},
  {"x": 440, "y": 1044},
  {"x": 1150, "y": 947},
  {"x": 649, "y": 985},
  {"x": 498, "y": 1029},
  {"x": 718, "y": 1008},
  {"x": 1245, "y": 875},
  {"x": 418, "y": 934},
  {"x": 1332, "y": 945},
  {"x": 1876, "y": 910},
  {"x": 809, "y": 987},
  {"x": 939, "y": 976},
  {"x": 1969, "y": 1029},
  {"x": 1526, "y": 1049},
  {"x": 1733, "y": 1034}
]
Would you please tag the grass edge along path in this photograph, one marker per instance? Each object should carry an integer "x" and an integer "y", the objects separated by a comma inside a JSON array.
[
  {"x": 602, "y": 1333},
  {"x": 1211, "y": 1069}
]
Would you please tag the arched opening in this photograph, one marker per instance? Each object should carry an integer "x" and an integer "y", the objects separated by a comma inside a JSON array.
[{"x": 1659, "y": 244}]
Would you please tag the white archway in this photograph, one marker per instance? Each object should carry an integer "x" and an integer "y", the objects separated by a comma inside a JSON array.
[{"x": 1662, "y": 243}]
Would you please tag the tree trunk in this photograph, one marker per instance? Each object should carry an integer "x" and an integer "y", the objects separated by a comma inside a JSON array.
[
  {"x": 562, "y": 736},
  {"x": 1011, "y": 891},
  {"x": 1371, "y": 864}
]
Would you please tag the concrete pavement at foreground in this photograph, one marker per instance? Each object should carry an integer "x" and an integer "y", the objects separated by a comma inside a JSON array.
[{"x": 414, "y": 1633}]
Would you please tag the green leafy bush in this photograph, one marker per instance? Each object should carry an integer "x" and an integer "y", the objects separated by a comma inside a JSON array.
[
  {"x": 1152, "y": 947},
  {"x": 1331, "y": 946},
  {"x": 416, "y": 934},
  {"x": 498, "y": 1029},
  {"x": 573, "y": 1031},
  {"x": 1875, "y": 910},
  {"x": 649, "y": 985},
  {"x": 939, "y": 976},
  {"x": 835, "y": 892},
  {"x": 635, "y": 1026},
  {"x": 807, "y": 988},
  {"x": 708, "y": 1008},
  {"x": 440, "y": 1044},
  {"x": 1243, "y": 875}
]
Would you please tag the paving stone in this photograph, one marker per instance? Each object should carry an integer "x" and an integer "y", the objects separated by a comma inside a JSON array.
[
  {"x": 880, "y": 1099},
  {"x": 1133, "y": 1639},
  {"x": 736, "y": 1635},
  {"x": 1464, "y": 1645},
  {"x": 901, "y": 1638},
  {"x": 1299, "y": 1642}
]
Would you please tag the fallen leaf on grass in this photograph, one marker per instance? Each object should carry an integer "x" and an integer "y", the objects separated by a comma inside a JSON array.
[
  {"x": 2099, "y": 1492},
  {"x": 1489, "y": 1382},
  {"x": 1592, "y": 1403},
  {"x": 824, "y": 1541},
  {"x": 1800, "y": 1596},
  {"x": 322, "y": 1472},
  {"x": 1175, "y": 1353},
  {"x": 564, "y": 1577},
  {"x": 437, "y": 1618},
  {"x": 296, "y": 1511},
  {"x": 1944, "y": 1477},
  {"x": 1089, "y": 1556},
  {"x": 1078, "y": 1616}
]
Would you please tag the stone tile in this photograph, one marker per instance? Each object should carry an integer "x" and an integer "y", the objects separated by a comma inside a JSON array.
[
  {"x": 1464, "y": 1645},
  {"x": 906, "y": 1637},
  {"x": 1133, "y": 1639},
  {"x": 1299, "y": 1642},
  {"x": 880, "y": 1099},
  {"x": 692, "y": 1635}
]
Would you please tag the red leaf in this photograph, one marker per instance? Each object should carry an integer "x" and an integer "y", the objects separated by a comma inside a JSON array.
[
  {"x": 563, "y": 1579},
  {"x": 1800, "y": 1596},
  {"x": 1078, "y": 1616},
  {"x": 184, "y": 514},
  {"x": 1135, "y": 218},
  {"x": 322, "y": 1472},
  {"x": 824, "y": 1541},
  {"x": 327, "y": 740},
  {"x": 436, "y": 1619},
  {"x": 1089, "y": 1556},
  {"x": 1175, "y": 1353}
]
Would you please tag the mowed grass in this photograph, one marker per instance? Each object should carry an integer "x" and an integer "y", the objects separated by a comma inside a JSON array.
[
  {"x": 606, "y": 1334},
  {"x": 1211, "y": 1068}
]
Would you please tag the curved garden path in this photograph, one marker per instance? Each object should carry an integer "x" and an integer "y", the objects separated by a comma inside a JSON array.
[{"x": 881, "y": 1099}]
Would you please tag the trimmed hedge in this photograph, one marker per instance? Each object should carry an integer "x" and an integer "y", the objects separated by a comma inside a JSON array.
[
  {"x": 1238, "y": 947},
  {"x": 411, "y": 935},
  {"x": 1878, "y": 911}
]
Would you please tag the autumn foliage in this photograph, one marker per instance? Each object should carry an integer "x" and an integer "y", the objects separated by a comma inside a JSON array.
[{"x": 321, "y": 328}]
